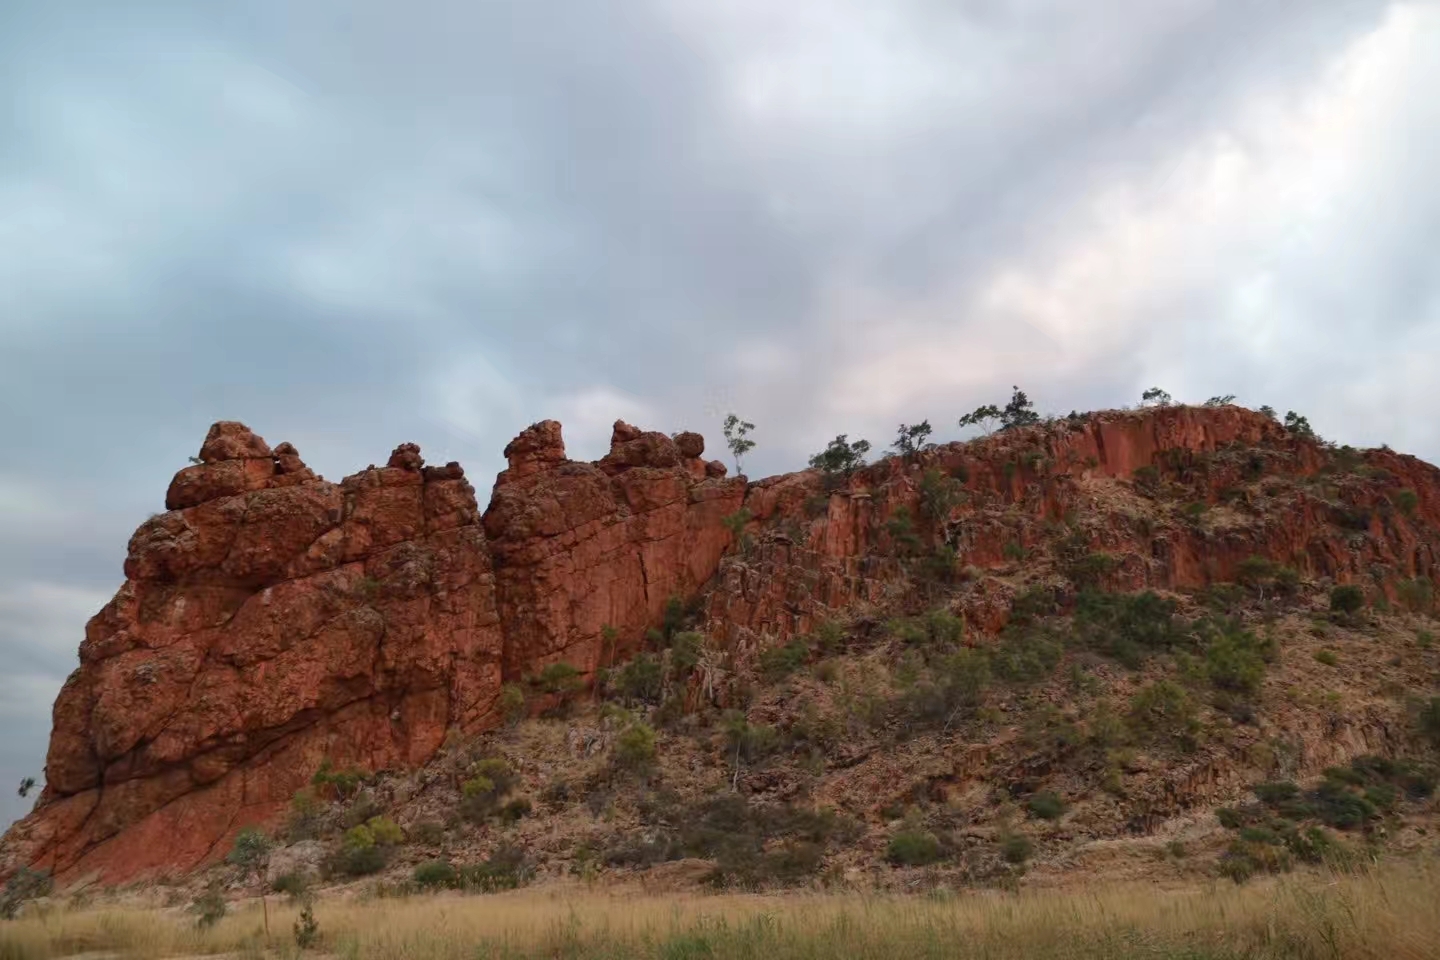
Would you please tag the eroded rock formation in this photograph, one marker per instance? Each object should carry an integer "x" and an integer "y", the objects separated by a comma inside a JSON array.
[{"x": 271, "y": 620}]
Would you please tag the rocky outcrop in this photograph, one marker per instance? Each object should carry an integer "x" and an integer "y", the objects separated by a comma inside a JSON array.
[
  {"x": 1113, "y": 482},
  {"x": 271, "y": 620},
  {"x": 268, "y": 621},
  {"x": 580, "y": 547}
]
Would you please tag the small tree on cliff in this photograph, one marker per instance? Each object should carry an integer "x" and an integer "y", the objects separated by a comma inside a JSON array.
[
  {"x": 1156, "y": 396},
  {"x": 912, "y": 438},
  {"x": 251, "y": 854},
  {"x": 737, "y": 438},
  {"x": 1019, "y": 412},
  {"x": 982, "y": 417},
  {"x": 26, "y": 785},
  {"x": 841, "y": 458}
]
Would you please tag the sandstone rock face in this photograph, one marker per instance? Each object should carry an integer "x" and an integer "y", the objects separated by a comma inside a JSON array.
[
  {"x": 271, "y": 620},
  {"x": 816, "y": 551},
  {"x": 579, "y": 546},
  {"x": 268, "y": 621}
]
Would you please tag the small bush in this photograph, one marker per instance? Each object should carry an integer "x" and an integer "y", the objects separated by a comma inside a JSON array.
[
  {"x": 1427, "y": 721},
  {"x": 1235, "y": 658},
  {"x": 1327, "y": 657},
  {"x": 512, "y": 702},
  {"x": 307, "y": 930},
  {"x": 333, "y": 784},
  {"x": 505, "y": 869},
  {"x": 1046, "y": 806},
  {"x": 641, "y": 680},
  {"x": 1127, "y": 627},
  {"x": 26, "y": 885},
  {"x": 515, "y": 811},
  {"x": 559, "y": 677},
  {"x": 776, "y": 663},
  {"x": 359, "y": 838},
  {"x": 1417, "y": 595},
  {"x": 1277, "y": 792},
  {"x": 1347, "y": 599},
  {"x": 387, "y": 832},
  {"x": 635, "y": 747},
  {"x": 1164, "y": 713},
  {"x": 1406, "y": 501},
  {"x": 913, "y": 848},
  {"x": 294, "y": 885},
  {"x": 435, "y": 875},
  {"x": 428, "y": 833},
  {"x": 1016, "y": 848},
  {"x": 352, "y": 861},
  {"x": 209, "y": 908}
]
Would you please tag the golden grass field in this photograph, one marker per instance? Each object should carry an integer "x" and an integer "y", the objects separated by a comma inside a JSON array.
[{"x": 1386, "y": 913}]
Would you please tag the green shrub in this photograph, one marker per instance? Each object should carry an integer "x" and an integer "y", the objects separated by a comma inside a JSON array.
[
  {"x": 1163, "y": 712},
  {"x": 27, "y": 884},
  {"x": 335, "y": 784},
  {"x": 353, "y": 861},
  {"x": 512, "y": 702},
  {"x": 1235, "y": 658},
  {"x": 1127, "y": 627},
  {"x": 1406, "y": 501},
  {"x": 1327, "y": 657},
  {"x": 294, "y": 885},
  {"x": 641, "y": 680},
  {"x": 686, "y": 650},
  {"x": 1146, "y": 478},
  {"x": 1347, "y": 599},
  {"x": 209, "y": 907},
  {"x": 1091, "y": 569},
  {"x": 747, "y": 741},
  {"x": 359, "y": 838},
  {"x": 428, "y": 833},
  {"x": 635, "y": 747},
  {"x": 489, "y": 782},
  {"x": 901, "y": 528},
  {"x": 913, "y": 848},
  {"x": 1025, "y": 655},
  {"x": 1016, "y": 848},
  {"x": 387, "y": 832},
  {"x": 307, "y": 929},
  {"x": 515, "y": 811},
  {"x": 1427, "y": 721},
  {"x": 559, "y": 677},
  {"x": 1276, "y": 792},
  {"x": 435, "y": 875},
  {"x": 1417, "y": 595},
  {"x": 841, "y": 457},
  {"x": 776, "y": 663},
  {"x": 505, "y": 869},
  {"x": 939, "y": 495},
  {"x": 1046, "y": 805}
]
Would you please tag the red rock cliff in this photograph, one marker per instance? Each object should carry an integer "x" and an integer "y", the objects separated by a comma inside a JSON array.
[{"x": 271, "y": 619}]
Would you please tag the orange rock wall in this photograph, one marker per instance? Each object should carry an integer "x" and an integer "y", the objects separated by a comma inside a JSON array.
[{"x": 271, "y": 619}]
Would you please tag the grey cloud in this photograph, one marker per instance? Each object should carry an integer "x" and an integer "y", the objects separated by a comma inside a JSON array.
[{"x": 352, "y": 224}]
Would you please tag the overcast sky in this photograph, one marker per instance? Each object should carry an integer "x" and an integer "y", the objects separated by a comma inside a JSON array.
[{"x": 352, "y": 223}]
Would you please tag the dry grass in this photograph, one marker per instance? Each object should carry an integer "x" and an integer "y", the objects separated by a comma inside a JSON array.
[{"x": 1387, "y": 914}]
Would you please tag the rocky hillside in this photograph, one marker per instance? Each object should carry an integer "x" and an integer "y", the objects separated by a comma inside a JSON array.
[{"x": 1118, "y": 618}]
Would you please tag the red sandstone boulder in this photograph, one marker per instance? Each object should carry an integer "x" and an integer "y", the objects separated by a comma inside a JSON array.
[
  {"x": 690, "y": 444},
  {"x": 228, "y": 440}
]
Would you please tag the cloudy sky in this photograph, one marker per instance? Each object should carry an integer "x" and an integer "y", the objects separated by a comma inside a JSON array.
[{"x": 353, "y": 223}]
